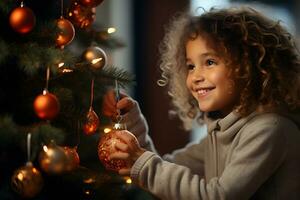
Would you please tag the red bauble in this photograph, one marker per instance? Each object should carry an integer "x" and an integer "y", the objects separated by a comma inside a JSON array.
[
  {"x": 90, "y": 3},
  {"x": 66, "y": 32},
  {"x": 92, "y": 122},
  {"x": 22, "y": 19},
  {"x": 46, "y": 106},
  {"x": 81, "y": 16},
  {"x": 106, "y": 147}
]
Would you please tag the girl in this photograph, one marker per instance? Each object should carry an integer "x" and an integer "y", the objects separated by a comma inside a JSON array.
[{"x": 238, "y": 72}]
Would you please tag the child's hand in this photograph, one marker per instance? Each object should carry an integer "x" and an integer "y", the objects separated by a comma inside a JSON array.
[
  {"x": 130, "y": 150},
  {"x": 111, "y": 107}
]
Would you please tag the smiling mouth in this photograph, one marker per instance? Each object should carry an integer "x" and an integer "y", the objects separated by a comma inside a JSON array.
[{"x": 203, "y": 92}]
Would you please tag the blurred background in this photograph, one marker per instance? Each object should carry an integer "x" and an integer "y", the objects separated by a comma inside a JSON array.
[{"x": 141, "y": 25}]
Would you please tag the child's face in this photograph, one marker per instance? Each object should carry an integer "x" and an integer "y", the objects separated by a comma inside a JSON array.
[{"x": 208, "y": 78}]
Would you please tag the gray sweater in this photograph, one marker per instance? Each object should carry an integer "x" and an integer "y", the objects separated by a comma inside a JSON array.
[{"x": 256, "y": 157}]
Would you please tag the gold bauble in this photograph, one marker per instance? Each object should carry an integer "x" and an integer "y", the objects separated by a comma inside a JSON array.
[
  {"x": 96, "y": 56},
  {"x": 52, "y": 159},
  {"x": 27, "y": 181},
  {"x": 46, "y": 106},
  {"x": 66, "y": 32},
  {"x": 22, "y": 20}
]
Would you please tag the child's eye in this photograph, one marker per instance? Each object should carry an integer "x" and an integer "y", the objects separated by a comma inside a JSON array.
[
  {"x": 190, "y": 66},
  {"x": 210, "y": 62}
]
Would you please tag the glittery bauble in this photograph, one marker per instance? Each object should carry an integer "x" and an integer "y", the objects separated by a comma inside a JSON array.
[
  {"x": 106, "y": 147},
  {"x": 96, "y": 56},
  {"x": 27, "y": 181},
  {"x": 91, "y": 123},
  {"x": 22, "y": 20},
  {"x": 66, "y": 32},
  {"x": 81, "y": 16},
  {"x": 72, "y": 158},
  {"x": 91, "y": 3},
  {"x": 46, "y": 106},
  {"x": 52, "y": 159}
]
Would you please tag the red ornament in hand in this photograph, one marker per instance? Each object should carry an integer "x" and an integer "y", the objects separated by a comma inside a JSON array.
[
  {"x": 106, "y": 147},
  {"x": 22, "y": 19},
  {"x": 46, "y": 105}
]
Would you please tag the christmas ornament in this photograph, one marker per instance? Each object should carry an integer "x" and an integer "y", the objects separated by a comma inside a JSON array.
[
  {"x": 81, "y": 16},
  {"x": 52, "y": 159},
  {"x": 107, "y": 142},
  {"x": 22, "y": 19},
  {"x": 27, "y": 181},
  {"x": 72, "y": 158},
  {"x": 90, "y": 3},
  {"x": 96, "y": 56},
  {"x": 106, "y": 147},
  {"x": 46, "y": 105},
  {"x": 66, "y": 32},
  {"x": 91, "y": 123}
]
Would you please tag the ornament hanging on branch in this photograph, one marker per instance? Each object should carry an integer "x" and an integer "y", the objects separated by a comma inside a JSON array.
[
  {"x": 95, "y": 56},
  {"x": 90, "y": 3},
  {"x": 107, "y": 143},
  {"x": 66, "y": 32},
  {"x": 46, "y": 105},
  {"x": 81, "y": 16},
  {"x": 72, "y": 158},
  {"x": 92, "y": 121},
  {"x": 52, "y": 159},
  {"x": 22, "y": 19},
  {"x": 27, "y": 181}
]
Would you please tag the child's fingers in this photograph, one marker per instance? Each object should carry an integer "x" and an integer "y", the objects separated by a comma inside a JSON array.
[
  {"x": 121, "y": 146},
  {"x": 124, "y": 171},
  {"x": 125, "y": 104},
  {"x": 119, "y": 155},
  {"x": 127, "y": 137}
]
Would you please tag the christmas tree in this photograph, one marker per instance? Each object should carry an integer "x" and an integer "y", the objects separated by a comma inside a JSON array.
[{"x": 53, "y": 75}]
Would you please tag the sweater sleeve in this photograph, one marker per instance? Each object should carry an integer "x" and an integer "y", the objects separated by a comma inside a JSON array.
[
  {"x": 257, "y": 155},
  {"x": 137, "y": 124}
]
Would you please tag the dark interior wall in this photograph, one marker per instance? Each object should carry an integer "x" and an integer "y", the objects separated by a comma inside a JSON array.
[{"x": 150, "y": 16}]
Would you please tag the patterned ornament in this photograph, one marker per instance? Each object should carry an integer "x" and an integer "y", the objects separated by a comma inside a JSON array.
[
  {"x": 96, "y": 56},
  {"x": 52, "y": 159},
  {"x": 106, "y": 147},
  {"x": 91, "y": 123},
  {"x": 27, "y": 181},
  {"x": 66, "y": 32},
  {"x": 72, "y": 158},
  {"x": 22, "y": 19},
  {"x": 90, "y": 3},
  {"x": 81, "y": 16},
  {"x": 46, "y": 105}
]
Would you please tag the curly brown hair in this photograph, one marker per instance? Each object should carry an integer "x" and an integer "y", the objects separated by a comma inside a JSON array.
[{"x": 260, "y": 53}]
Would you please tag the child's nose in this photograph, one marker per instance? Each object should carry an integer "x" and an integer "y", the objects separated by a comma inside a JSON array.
[{"x": 198, "y": 75}]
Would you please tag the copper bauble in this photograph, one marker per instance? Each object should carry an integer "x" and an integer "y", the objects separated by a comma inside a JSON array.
[
  {"x": 66, "y": 32},
  {"x": 95, "y": 56},
  {"x": 91, "y": 123},
  {"x": 22, "y": 20},
  {"x": 81, "y": 16},
  {"x": 91, "y": 3},
  {"x": 72, "y": 158},
  {"x": 52, "y": 159},
  {"x": 27, "y": 181},
  {"x": 106, "y": 147},
  {"x": 46, "y": 106}
]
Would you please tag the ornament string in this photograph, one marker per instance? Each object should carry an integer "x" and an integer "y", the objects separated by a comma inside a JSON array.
[
  {"x": 22, "y": 4},
  {"x": 61, "y": 8},
  {"x": 92, "y": 93},
  {"x": 117, "y": 93},
  {"x": 28, "y": 147},
  {"x": 47, "y": 80}
]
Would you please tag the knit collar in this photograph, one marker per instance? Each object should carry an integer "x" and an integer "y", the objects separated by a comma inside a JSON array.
[{"x": 213, "y": 122}]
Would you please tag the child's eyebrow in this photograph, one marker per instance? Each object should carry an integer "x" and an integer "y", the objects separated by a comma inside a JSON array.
[{"x": 207, "y": 54}]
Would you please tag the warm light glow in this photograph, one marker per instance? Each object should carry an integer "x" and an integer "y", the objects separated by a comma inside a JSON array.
[
  {"x": 111, "y": 30},
  {"x": 87, "y": 192},
  {"x": 96, "y": 60},
  {"x": 45, "y": 148},
  {"x": 106, "y": 130},
  {"x": 61, "y": 64},
  {"x": 67, "y": 70},
  {"x": 20, "y": 176},
  {"x": 128, "y": 181},
  {"x": 89, "y": 180}
]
